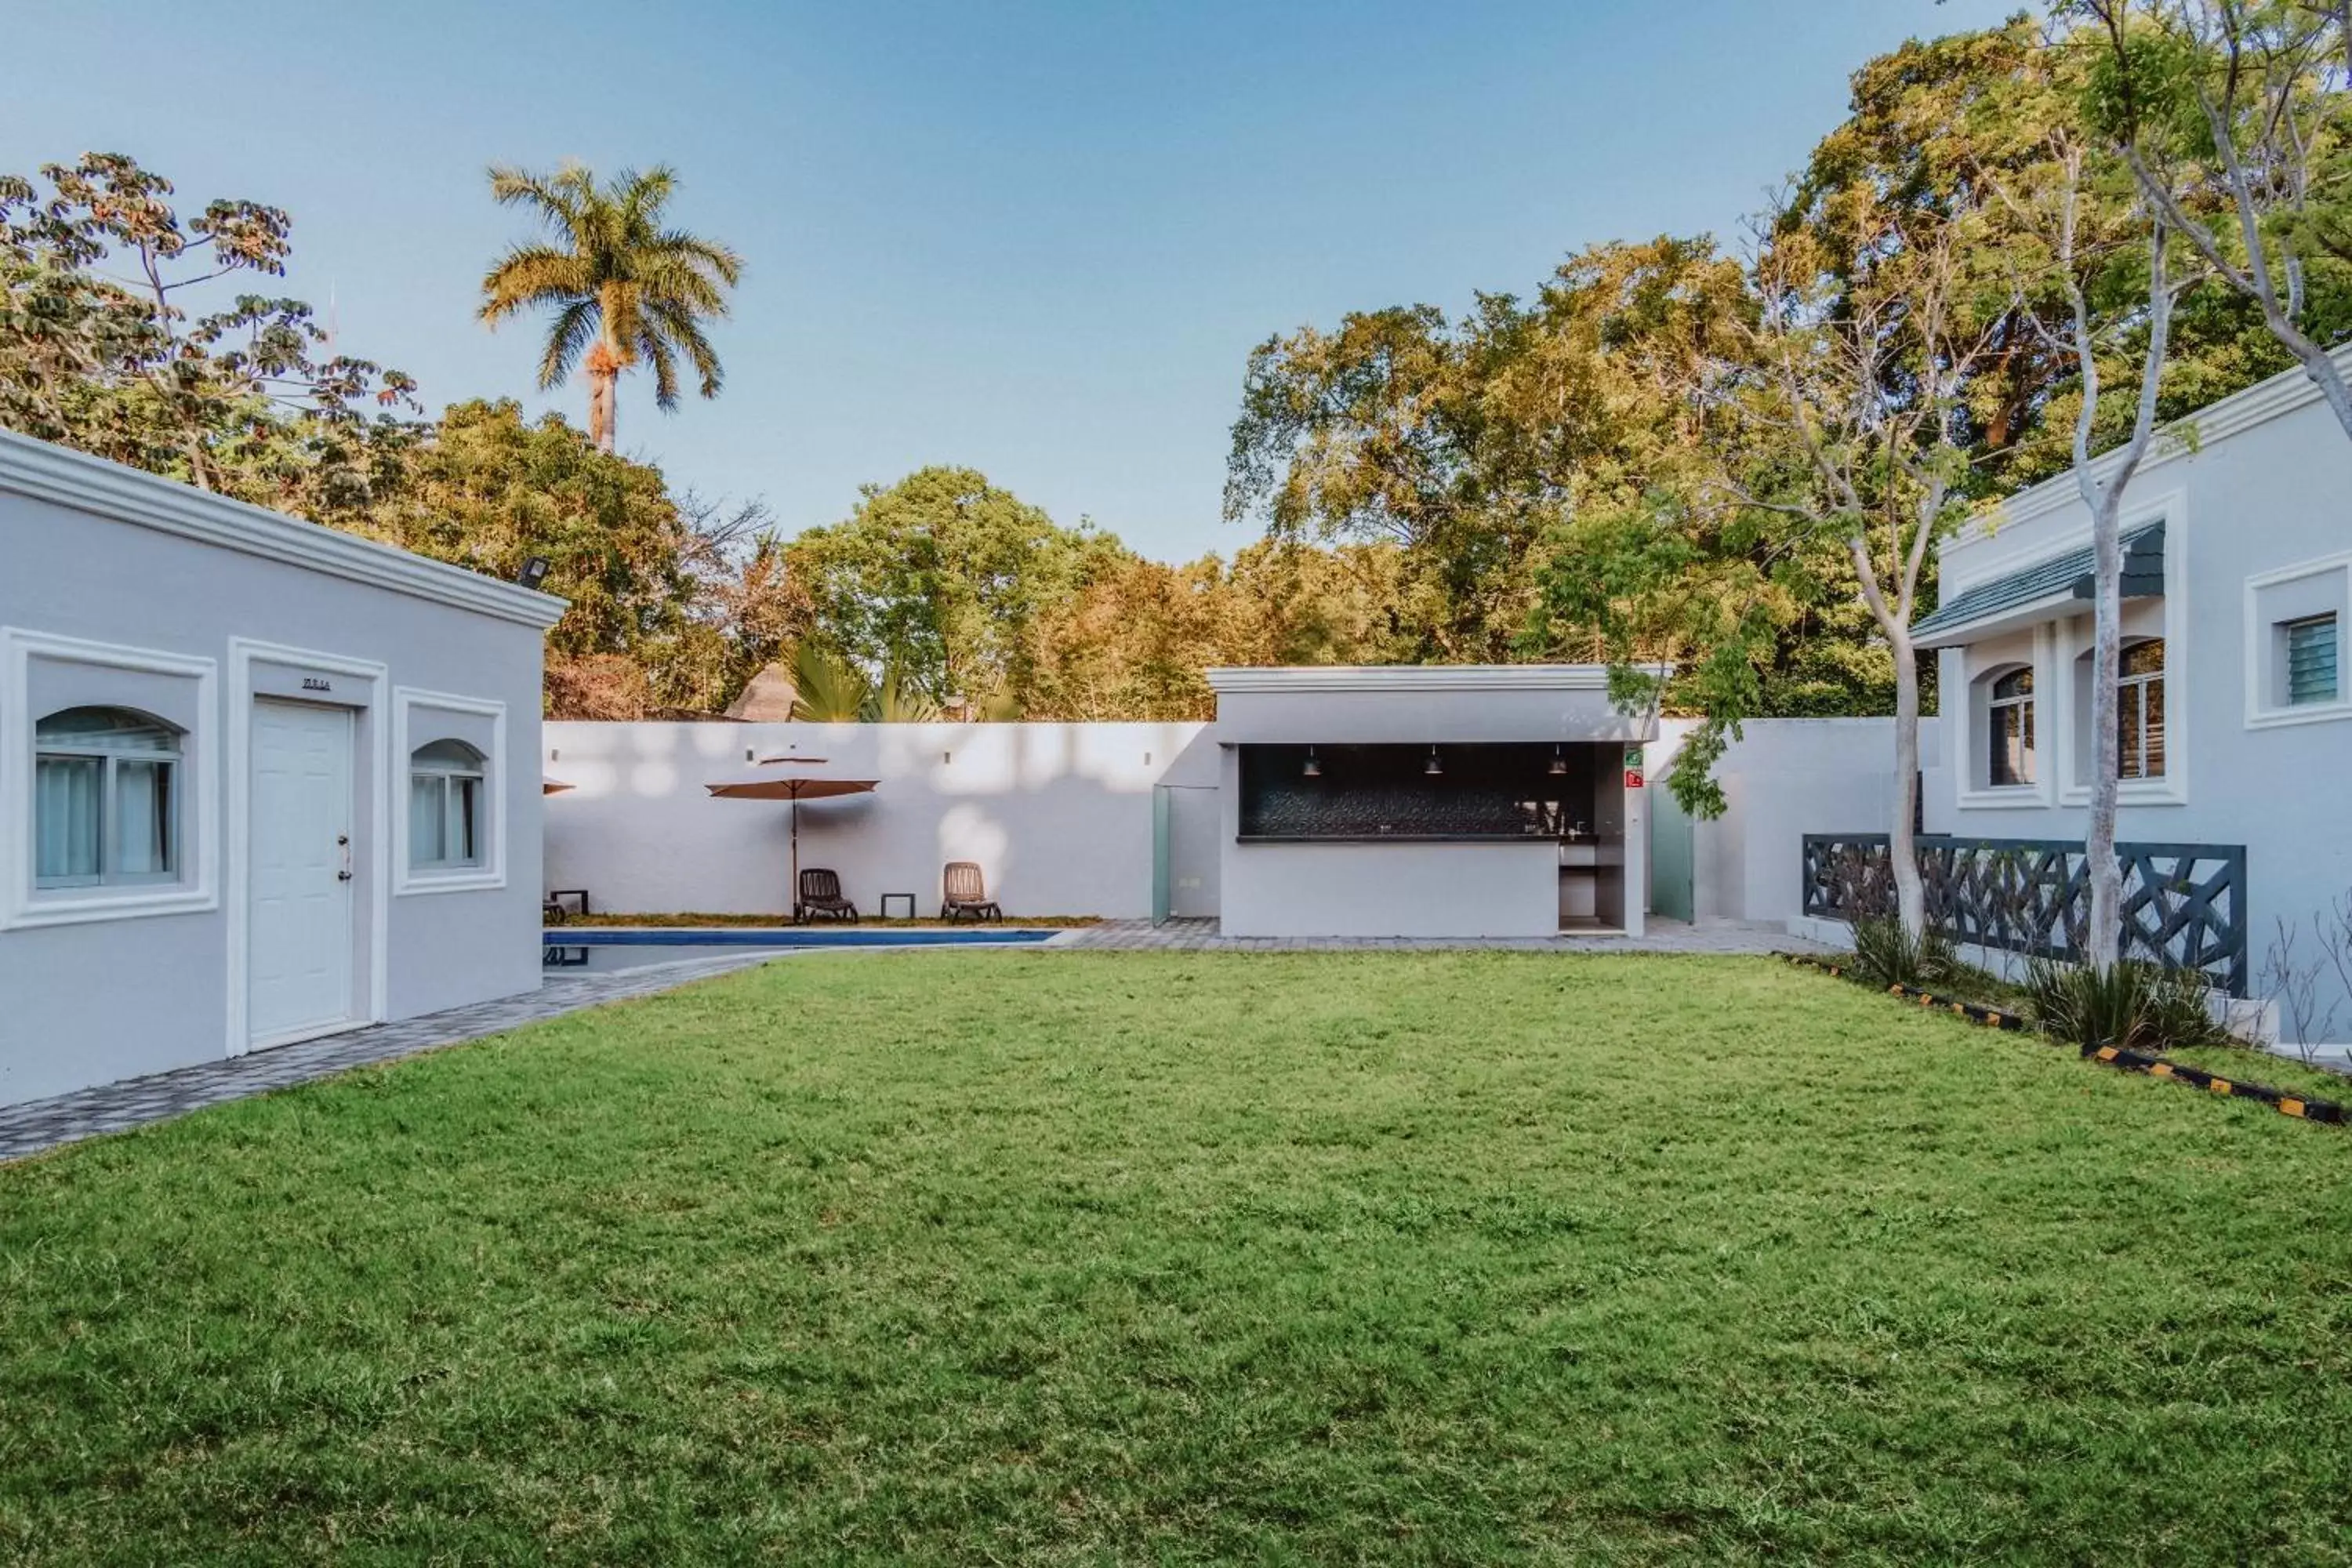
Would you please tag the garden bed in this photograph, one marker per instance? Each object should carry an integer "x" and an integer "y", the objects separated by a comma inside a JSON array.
[{"x": 1983, "y": 998}]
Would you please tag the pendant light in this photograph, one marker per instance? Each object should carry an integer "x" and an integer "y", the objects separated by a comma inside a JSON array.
[
  {"x": 1314, "y": 769},
  {"x": 1559, "y": 761},
  {"x": 1433, "y": 767}
]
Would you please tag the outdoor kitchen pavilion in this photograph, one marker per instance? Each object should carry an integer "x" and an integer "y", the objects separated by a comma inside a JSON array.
[{"x": 1429, "y": 801}]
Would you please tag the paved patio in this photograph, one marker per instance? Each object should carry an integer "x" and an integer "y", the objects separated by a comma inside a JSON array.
[
  {"x": 1663, "y": 936},
  {"x": 43, "y": 1124}
]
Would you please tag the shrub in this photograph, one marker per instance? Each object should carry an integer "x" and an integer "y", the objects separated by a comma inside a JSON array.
[
  {"x": 2132, "y": 1005},
  {"x": 1884, "y": 954}
]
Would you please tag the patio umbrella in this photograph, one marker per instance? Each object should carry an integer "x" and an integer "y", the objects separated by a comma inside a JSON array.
[
  {"x": 791, "y": 787},
  {"x": 552, "y": 786}
]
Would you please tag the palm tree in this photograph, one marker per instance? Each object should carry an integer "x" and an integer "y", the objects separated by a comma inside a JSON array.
[{"x": 623, "y": 288}]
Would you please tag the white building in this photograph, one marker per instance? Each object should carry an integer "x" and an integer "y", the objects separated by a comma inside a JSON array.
[
  {"x": 259, "y": 781},
  {"x": 1429, "y": 801},
  {"x": 2236, "y": 718}
]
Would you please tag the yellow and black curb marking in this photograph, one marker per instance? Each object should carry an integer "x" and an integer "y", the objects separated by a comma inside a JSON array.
[
  {"x": 2278, "y": 1100},
  {"x": 1990, "y": 1017}
]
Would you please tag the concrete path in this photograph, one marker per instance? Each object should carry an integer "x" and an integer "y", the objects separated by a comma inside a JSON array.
[
  {"x": 43, "y": 1124},
  {"x": 1663, "y": 936}
]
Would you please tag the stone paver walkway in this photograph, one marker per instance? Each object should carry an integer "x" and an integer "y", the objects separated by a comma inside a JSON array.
[
  {"x": 1663, "y": 936},
  {"x": 43, "y": 1124}
]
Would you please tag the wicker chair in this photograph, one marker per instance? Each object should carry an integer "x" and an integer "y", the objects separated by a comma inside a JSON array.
[
  {"x": 821, "y": 898},
  {"x": 964, "y": 892}
]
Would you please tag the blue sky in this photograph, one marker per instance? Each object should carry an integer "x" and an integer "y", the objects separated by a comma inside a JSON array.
[{"x": 1038, "y": 238}]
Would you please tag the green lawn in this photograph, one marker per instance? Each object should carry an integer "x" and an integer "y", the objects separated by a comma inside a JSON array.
[{"x": 1066, "y": 1257}]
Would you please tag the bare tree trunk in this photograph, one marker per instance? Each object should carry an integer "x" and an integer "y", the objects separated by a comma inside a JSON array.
[
  {"x": 2104, "y": 499},
  {"x": 2105, "y": 942},
  {"x": 1903, "y": 843},
  {"x": 2318, "y": 363}
]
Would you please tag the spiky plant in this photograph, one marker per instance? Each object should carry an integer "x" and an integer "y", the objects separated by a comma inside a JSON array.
[
  {"x": 2131, "y": 1004},
  {"x": 1885, "y": 954},
  {"x": 826, "y": 688},
  {"x": 898, "y": 698},
  {"x": 622, "y": 288}
]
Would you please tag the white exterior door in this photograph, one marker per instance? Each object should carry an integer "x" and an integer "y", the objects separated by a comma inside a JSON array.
[{"x": 300, "y": 947}]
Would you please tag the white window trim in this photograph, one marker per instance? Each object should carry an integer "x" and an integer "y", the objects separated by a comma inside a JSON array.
[
  {"x": 371, "y": 763},
  {"x": 2261, "y": 712},
  {"x": 408, "y": 879},
  {"x": 2172, "y": 789},
  {"x": 197, "y": 887},
  {"x": 1974, "y": 796},
  {"x": 2165, "y": 789}
]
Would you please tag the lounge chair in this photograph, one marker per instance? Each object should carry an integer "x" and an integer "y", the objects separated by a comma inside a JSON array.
[
  {"x": 821, "y": 899},
  {"x": 965, "y": 893}
]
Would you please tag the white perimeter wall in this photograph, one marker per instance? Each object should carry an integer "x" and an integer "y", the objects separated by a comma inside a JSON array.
[
  {"x": 1782, "y": 779},
  {"x": 1058, "y": 816}
]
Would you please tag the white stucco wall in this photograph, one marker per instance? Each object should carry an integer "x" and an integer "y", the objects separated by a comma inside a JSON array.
[
  {"x": 1058, "y": 816},
  {"x": 1782, "y": 779},
  {"x": 1392, "y": 890},
  {"x": 89, "y": 1003}
]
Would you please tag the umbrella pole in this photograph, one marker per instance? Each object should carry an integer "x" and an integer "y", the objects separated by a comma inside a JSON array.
[{"x": 792, "y": 893}]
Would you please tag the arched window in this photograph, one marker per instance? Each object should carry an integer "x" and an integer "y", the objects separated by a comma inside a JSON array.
[
  {"x": 444, "y": 807},
  {"x": 2139, "y": 710},
  {"x": 2008, "y": 738},
  {"x": 105, "y": 799}
]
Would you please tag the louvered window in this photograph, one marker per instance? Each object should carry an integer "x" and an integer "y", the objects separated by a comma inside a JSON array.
[{"x": 2310, "y": 660}]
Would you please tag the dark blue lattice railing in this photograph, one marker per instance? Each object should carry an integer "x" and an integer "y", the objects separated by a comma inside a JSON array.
[{"x": 2184, "y": 904}]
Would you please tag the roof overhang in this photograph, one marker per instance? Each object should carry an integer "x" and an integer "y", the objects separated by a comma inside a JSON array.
[
  {"x": 69, "y": 479},
  {"x": 1423, "y": 704},
  {"x": 1412, "y": 678},
  {"x": 2051, "y": 589}
]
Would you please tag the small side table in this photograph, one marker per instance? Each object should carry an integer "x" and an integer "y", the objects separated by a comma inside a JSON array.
[{"x": 885, "y": 904}]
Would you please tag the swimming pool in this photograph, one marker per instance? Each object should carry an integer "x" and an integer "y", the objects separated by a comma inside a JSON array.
[{"x": 600, "y": 950}]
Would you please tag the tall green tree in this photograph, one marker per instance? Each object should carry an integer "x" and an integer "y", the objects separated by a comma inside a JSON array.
[
  {"x": 947, "y": 575},
  {"x": 1372, "y": 432},
  {"x": 123, "y": 334},
  {"x": 622, "y": 289},
  {"x": 673, "y": 604}
]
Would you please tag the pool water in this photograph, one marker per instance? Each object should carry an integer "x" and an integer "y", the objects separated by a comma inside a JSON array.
[
  {"x": 608, "y": 958},
  {"x": 594, "y": 949}
]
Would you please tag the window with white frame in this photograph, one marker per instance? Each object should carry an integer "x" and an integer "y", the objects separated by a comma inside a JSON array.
[
  {"x": 446, "y": 824},
  {"x": 2295, "y": 634},
  {"x": 2009, "y": 729},
  {"x": 106, "y": 799},
  {"x": 2139, "y": 710}
]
